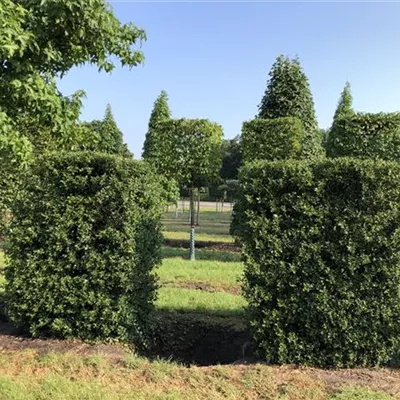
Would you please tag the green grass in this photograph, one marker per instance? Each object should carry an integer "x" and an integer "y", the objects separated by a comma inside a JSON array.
[
  {"x": 201, "y": 254},
  {"x": 199, "y": 301},
  {"x": 27, "y": 375},
  {"x": 205, "y": 217},
  {"x": 206, "y": 229},
  {"x": 214, "y": 227},
  {"x": 203, "y": 237},
  {"x": 359, "y": 393},
  {"x": 221, "y": 275}
]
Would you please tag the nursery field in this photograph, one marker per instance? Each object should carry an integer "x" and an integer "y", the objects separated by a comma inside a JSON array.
[{"x": 201, "y": 315}]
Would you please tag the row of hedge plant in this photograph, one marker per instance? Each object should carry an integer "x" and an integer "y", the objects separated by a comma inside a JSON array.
[
  {"x": 364, "y": 135},
  {"x": 84, "y": 239},
  {"x": 321, "y": 246},
  {"x": 272, "y": 139}
]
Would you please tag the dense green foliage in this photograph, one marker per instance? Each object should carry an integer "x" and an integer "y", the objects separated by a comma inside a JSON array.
[
  {"x": 84, "y": 239},
  {"x": 108, "y": 137},
  {"x": 160, "y": 113},
  {"x": 322, "y": 254},
  {"x": 344, "y": 110},
  {"x": 288, "y": 95},
  {"x": 39, "y": 42},
  {"x": 191, "y": 150},
  {"x": 231, "y": 158},
  {"x": 272, "y": 139},
  {"x": 366, "y": 136}
]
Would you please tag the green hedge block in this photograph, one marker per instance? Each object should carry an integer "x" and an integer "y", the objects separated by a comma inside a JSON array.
[
  {"x": 83, "y": 241},
  {"x": 321, "y": 244},
  {"x": 272, "y": 139},
  {"x": 374, "y": 136}
]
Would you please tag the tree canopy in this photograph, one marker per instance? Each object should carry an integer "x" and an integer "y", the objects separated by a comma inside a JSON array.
[
  {"x": 231, "y": 158},
  {"x": 41, "y": 41},
  {"x": 191, "y": 151}
]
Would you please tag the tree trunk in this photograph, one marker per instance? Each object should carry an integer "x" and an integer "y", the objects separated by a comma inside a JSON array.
[
  {"x": 192, "y": 226},
  {"x": 198, "y": 208}
]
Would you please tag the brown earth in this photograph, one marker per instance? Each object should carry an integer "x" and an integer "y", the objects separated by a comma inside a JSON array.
[{"x": 207, "y": 287}]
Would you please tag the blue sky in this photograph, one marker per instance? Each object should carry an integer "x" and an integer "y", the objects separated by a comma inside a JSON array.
[{"x": 213, "y": 60}]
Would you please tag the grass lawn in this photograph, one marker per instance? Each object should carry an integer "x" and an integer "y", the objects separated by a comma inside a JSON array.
[
  {"x": 219, "y": 276},
  {"x": 27, "y": 375},
  {"x": 206, "y": 217},
  {"x": 204, "y": 237},
  {"x": 217, "y": 229},
  {"x": 201, "y": 254},
  {"x": 202, "y": 286},
  {"x": 214, "y": 227},
  {"x": 199, "y": 301}
]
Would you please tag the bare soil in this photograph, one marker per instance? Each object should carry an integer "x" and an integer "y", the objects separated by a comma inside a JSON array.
[
  {"x": 12, "y": 340},
  {"x": 204, "y": 286}
]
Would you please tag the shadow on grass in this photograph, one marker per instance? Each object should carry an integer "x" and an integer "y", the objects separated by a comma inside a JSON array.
[{"x": 199, "y": 338}]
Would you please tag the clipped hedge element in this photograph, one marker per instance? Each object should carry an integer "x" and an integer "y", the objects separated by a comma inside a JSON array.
[
  {"x": 366, "y": 135},
  {"x": 84, "y": 239},
  {"x": 321, "y": 245},
  {"x": 272, "y": 139}
]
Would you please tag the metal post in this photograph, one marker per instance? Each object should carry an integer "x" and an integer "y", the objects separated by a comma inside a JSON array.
[
  {"x": 192, "y": 223},
  {"x": 192, "y": 244},
  {"x": 198, "y": 208}
]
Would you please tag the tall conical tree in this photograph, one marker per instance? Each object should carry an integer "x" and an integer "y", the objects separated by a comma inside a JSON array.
[
  {"x": 288, "y": 94},
  {"x": 344, "y": 108},
  {"x": 161, "y": 112},
  {"x": 113, "y": 132},
  {"x": 109, "y": 136}
]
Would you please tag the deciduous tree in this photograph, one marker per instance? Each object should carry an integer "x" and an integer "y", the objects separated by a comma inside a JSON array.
[{"x": 191, "y": 154}]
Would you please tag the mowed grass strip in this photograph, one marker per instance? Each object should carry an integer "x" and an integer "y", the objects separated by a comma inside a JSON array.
[
  {"x": 222, "y": 276},
  {"x": 200, "y": 301},
  {"x": 26, "y": 375},
  {"x": 201, "y": 254},
  {"x": 209, "y": 213},
  {"x": 206, "y": 229},
  {"x": 207, "y": 217},
  {"x": 203, "y": 237}
]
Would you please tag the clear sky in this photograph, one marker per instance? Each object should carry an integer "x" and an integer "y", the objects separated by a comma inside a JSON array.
[{"x": 213, "y": 60}]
